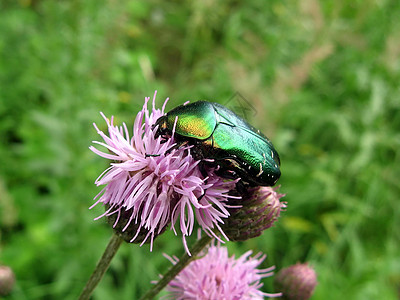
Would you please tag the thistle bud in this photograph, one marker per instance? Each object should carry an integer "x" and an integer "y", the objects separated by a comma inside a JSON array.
[
  {"x": 260, "y": 208},
  {"x": 7, "y": 280},
  {"x": 296, "y": 282}
]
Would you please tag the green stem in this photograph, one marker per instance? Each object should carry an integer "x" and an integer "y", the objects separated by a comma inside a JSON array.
[
  {"x": 102, "y": 266},
  {"x": 179, "y": 266}
]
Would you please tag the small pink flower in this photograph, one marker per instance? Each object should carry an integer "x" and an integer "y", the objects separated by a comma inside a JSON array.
[
  {"x": 157, "y": 186},
  {"x": 217, "y": 276}
]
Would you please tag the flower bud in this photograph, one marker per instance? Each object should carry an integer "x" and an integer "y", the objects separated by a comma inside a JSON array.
[
  {"x": 7, "y": 280},
  {"x": 296, "y": 282},
  {"x": 260, "y": 208}
]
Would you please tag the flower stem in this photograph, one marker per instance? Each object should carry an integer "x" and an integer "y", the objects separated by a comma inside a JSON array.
[
  {"x": 179, "y": 266},
  {"x": 101, "y": 267}
]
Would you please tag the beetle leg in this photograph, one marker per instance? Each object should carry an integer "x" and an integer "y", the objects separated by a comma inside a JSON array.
[
  {"x": 151, "y": 155},
  {"x": 241, "y": 187},
  {"x": 176, "y": 146},
  {"x": 202, "y": 195},
  {"x": 202, "y": 168},
  {"x": 228, "y": 174}
]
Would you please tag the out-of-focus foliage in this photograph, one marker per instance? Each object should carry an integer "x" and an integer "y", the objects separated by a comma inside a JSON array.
[{"x": 322, "y": 78}]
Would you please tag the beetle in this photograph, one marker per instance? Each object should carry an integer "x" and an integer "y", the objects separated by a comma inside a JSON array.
[{"x": 217, "y": 133}]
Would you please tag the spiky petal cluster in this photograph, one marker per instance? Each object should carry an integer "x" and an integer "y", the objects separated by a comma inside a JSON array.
[
  {"x": 261, "y": 207},
  {"x": 296, "y": 282},
  {"x": 218, "y": 276},
  {"x": 151, "y": 186}
]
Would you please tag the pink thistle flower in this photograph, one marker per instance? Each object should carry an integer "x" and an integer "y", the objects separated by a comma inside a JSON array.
[
  {"x": 217, "y": 276},
  {"x": 151, "y": 187}
]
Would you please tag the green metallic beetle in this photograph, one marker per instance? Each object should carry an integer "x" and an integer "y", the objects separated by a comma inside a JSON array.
[{"x": 219, "y": 134}]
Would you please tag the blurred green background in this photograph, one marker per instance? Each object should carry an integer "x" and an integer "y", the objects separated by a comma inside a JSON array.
[{"x": 322, "y": 76}]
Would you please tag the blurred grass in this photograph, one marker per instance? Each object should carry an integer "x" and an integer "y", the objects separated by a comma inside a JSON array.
[{"x": 323, "y": 78}]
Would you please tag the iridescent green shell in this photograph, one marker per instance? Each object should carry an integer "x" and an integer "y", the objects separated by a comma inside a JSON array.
[{"x": 218, "y": 133}]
